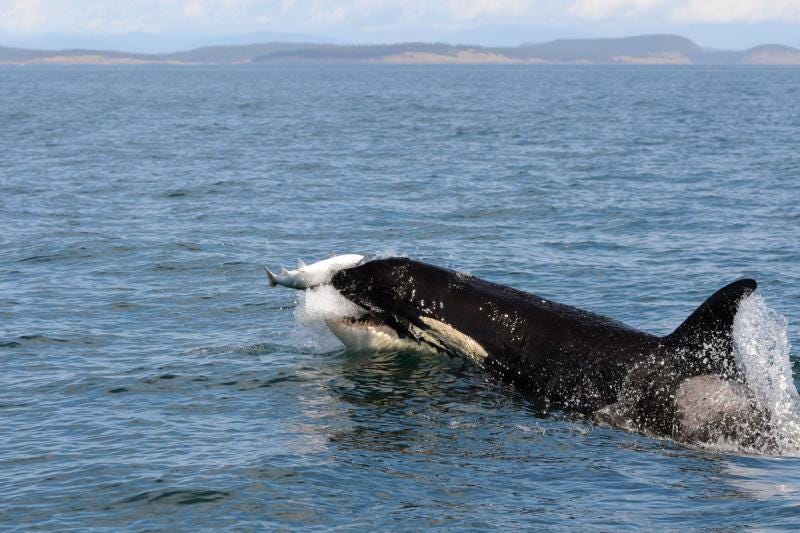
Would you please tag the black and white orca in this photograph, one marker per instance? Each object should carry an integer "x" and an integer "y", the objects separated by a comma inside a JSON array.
[{"x": 685, "y": 385}]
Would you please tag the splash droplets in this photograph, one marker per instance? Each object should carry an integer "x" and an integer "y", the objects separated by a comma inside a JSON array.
[
  {"x": 761, "y": 347},
  {"x": 314, "y": 307}
]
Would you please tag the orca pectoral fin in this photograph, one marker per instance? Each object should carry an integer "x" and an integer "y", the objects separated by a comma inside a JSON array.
[{"x": 710, "y": 327}]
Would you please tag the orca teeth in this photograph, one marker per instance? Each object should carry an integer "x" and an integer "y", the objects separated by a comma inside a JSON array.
[{"x": 366, "y": 320}]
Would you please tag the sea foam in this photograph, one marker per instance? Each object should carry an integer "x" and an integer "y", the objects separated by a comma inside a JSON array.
[{"x": 314, "y": 307}]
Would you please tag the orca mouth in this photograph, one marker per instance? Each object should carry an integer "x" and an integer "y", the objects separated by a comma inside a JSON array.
[
  {"x": 371, "y": 333},
  {"x": 368, "y": 322}
]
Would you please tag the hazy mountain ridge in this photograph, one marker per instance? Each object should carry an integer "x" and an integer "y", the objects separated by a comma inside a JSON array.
[
  {"x": 643, "y": 49},
  {"x": 226, "y": 54},
  {"x": 606, "y": 50},
  {"x": 139, "y": 42}
]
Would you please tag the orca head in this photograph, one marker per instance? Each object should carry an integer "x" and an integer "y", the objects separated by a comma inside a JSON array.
[
  {"x": 375, "y": 287},
  {"x": 397, "y": 290},
  {"x": 403, "y": 299}
]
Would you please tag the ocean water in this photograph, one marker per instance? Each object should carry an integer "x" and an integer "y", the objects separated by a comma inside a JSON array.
[{"x": 149, "y": 379}]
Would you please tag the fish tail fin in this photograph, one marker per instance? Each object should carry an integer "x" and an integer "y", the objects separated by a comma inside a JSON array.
[{"x": 270, "y": 277}]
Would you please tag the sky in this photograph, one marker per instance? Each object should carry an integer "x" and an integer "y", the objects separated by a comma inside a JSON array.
[{"x": 718, "y": 23}]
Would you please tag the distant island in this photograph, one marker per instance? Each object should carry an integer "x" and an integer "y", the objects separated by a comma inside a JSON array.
[{"x": 638, "y": 50}]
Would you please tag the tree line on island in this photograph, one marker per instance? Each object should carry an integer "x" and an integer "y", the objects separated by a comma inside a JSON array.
[{"x": 638, "y": 50}]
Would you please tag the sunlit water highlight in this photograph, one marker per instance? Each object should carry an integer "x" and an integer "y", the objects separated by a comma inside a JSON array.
[{"x": 150, "y": 381}]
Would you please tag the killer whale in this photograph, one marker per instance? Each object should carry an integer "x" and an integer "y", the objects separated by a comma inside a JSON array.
[{"x": 685, "y": 385}]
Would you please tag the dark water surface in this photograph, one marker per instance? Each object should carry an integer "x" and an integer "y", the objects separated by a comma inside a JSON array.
[{"x": 149, "y": 380}]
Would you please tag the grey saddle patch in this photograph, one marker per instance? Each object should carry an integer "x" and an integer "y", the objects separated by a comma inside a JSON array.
[{"x": 710, "y": 408}]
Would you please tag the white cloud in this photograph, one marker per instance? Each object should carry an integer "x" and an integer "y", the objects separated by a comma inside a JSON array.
[
  {"x": 690, "y": 11},
  {"x": 721, "y": 11},
  {"x": 21, "y": 15},
  {"x": 606, "y": 9},
  {"x": 480, "y": 9},
  {"x": 195, "y": 9},
  {"x": 348, "y": 16},
  {"x": 75, "y": 16}
]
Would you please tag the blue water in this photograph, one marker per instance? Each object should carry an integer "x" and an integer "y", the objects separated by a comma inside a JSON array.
[{"x": 149, "y": 380}]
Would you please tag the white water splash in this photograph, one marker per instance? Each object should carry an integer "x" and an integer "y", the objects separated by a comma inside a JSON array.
[
  {"x": 314, "y": 307},
  {"x": 761, "y": 346},
  {"x": 385, "y": 254}
]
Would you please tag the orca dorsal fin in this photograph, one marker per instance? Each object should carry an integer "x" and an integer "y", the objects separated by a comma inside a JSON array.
[{"x": 710, "y": 328}]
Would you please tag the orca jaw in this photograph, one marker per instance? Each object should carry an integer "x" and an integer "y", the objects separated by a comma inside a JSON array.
[
  {"x": 371, "y": 334},
  {"x": 384, "y": 332}
]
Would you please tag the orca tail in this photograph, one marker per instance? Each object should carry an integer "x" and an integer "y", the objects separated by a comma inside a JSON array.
[{"x": 708, "y": 332}]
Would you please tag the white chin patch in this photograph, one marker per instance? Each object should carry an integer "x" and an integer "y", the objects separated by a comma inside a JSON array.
[
  {"x": 370, "y": 337},
  {"x": 365, "y": 336}
]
